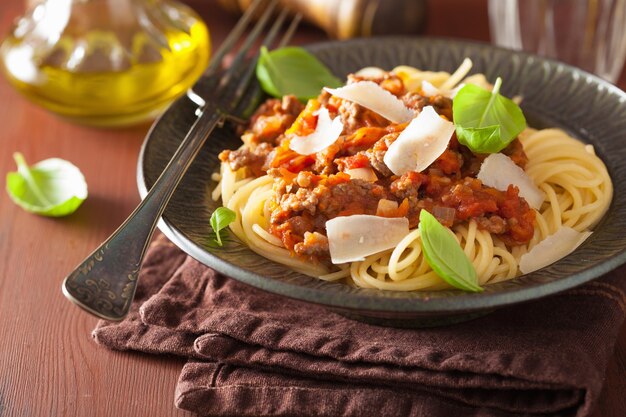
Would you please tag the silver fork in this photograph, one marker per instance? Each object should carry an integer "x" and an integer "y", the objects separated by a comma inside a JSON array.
[{"x": 104, "y": 283}]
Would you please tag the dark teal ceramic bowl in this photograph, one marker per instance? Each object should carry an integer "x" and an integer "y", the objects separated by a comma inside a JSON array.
[{"x": 555, "y": 95}]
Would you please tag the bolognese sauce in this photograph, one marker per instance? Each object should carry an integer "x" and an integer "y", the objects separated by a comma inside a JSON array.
[{"x": 312, "y": 189}]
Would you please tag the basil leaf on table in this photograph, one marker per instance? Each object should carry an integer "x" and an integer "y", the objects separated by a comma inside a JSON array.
[
  {"x": 53, "y": 187},
  {"x": 445, "y": 256},
  {"x": 221, "y": 218},
  {"x": 486, "y": 122},
  {"x": 293, "y": 70}
]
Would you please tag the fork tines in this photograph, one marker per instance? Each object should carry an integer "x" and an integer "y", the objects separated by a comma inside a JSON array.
[{"x": 228, "y": 90}]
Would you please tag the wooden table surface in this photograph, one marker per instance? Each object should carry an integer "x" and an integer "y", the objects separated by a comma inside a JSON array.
[{"x": 49, "y": 364}]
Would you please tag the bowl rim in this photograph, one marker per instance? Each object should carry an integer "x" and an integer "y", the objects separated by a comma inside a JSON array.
[{"x": 465, "y": 302}]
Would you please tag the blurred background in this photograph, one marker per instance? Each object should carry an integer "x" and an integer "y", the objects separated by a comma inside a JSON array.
[{"x": 114, "y": 63}]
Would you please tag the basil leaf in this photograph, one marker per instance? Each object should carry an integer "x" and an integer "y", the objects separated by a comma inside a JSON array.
[
  {"x": 221, "y": 218},
  {"x": 445, "y": 256},
  {"x": 486, "y": 122},
  {"x": 53, "y": 187},
  {"x": 293, "y": 70}
]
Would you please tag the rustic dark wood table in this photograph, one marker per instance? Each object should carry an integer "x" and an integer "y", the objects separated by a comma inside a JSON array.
[{"x": 49, "y": 365}]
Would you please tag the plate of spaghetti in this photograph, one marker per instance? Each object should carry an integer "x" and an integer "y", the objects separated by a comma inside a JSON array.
[{"x": 440, "y": 180}]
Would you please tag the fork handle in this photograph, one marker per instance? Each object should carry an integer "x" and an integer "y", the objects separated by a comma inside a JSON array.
[{"x": 104, "y": 283}]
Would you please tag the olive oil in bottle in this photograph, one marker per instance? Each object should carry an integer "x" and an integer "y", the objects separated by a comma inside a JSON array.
[{"x": 106, "y": 62}]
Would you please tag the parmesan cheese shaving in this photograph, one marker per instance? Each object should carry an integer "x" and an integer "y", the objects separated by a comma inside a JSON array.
[
  {"x": 420, "y": 143},
  {"x": 352, "y": 238},
  {"x": 326, "y": 133},
  {"x": 552, "y": 248},
  {"x": 499, "y": 171},
  {"x": 430, "y": 90},
  {"x": 371, "y": 72},
  {"x": 372, "y": 96}
]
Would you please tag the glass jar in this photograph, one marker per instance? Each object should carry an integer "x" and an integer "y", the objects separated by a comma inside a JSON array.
[{"x": 105, "y": 62}]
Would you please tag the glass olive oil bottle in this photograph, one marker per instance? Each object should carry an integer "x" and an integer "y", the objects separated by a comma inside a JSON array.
[{"x": 105, "y": 62}]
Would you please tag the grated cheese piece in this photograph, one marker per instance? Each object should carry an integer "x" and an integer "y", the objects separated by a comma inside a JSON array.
[
  {"x": 499, "y": 171},
  {"x": 371, "y": 72},
  {"x": 326, "y": 133},
  {"x": 556, "y": 246},
  {"x": 372, "y": 96},
  {"x": 420, "y": 143},
  {"x": 352, "y": 238},
  {"x": 430, "y": 90}
]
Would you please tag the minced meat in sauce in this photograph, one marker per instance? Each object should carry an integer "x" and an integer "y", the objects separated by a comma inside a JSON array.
[{"x": 311, "y": 189}]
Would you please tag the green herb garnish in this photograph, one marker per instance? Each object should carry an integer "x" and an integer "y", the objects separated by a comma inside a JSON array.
[
  {"x": 293, "y": 70},
  {"x": 486, "y": 121},
  {"x": 53, "y": 187},
  {"x": 221, "y": 218},
  {"x": 445, "y": 256}
]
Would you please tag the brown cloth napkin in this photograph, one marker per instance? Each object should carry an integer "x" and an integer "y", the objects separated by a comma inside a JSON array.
[
  {"x": 268, "y": 355},
  {"x": 162, "y": 260}
]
